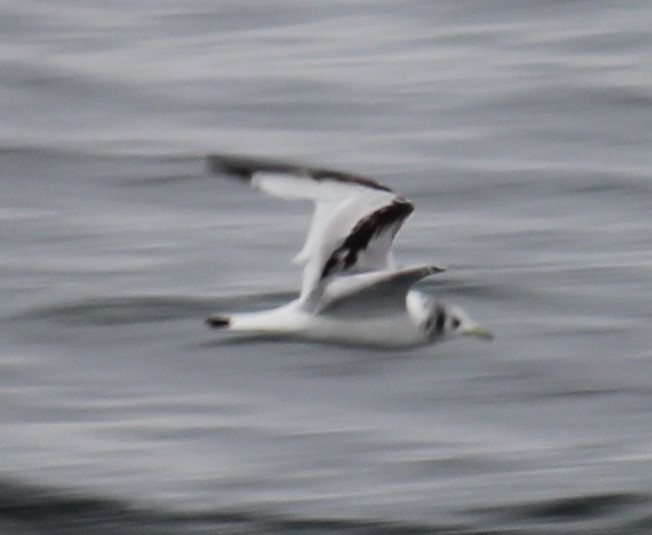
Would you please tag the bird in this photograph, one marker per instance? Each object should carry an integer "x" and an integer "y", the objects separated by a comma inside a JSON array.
[{"x": 351, "y": 293}]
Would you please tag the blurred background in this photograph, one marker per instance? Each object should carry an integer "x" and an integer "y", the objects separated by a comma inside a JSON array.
[{"x": 522, "y": 131}]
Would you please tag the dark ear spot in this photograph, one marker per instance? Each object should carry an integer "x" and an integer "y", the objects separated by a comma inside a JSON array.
[
  {"x": 456, "y": 322},
  {"x": 440, "y": 318}
]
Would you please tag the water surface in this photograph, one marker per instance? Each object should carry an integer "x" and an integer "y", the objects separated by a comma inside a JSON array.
[{"x": 521, "y": 130}]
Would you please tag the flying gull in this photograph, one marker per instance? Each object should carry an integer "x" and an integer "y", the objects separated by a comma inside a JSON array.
[{"x": 351, "y": 291}]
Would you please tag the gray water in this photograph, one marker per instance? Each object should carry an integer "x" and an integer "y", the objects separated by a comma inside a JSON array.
[{"x": 522, "y": 132}]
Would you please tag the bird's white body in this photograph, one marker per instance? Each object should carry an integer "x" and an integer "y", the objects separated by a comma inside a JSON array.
[{"x": 401, "y": 330}]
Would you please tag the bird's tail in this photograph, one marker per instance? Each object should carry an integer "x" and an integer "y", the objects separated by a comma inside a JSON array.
[{"x": 218, "y": 322}]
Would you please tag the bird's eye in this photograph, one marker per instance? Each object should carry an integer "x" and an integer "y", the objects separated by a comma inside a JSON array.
[{"x": 456, "y": 322}]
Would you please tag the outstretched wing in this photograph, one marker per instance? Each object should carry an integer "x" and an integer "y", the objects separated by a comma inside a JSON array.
[
  {"x": 245, "y": 166},
  {"x": 355, "y": 218},
  {"x": 381, "y": 293}
]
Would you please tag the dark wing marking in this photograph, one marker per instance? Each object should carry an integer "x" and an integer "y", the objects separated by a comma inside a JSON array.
[
  {"x": 387, "y": 218},
  {"x": 244, "y": 167},
  {"x": 375, "y": 294}
]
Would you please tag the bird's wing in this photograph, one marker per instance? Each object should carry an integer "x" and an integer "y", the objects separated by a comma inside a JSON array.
[
  {"x": 376, "y": 294},
  {"x": 354, "y": 222}
]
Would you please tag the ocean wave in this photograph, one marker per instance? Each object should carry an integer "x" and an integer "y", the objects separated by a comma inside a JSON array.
[
  {"x": 127, "y": 310},
  {"x": 27, "y": 508}
]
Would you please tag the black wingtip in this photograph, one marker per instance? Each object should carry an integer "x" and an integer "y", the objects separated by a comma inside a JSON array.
[
  {"x": 229, "y": 165},
  {"x": 218, "y": 322},
  {"x": 244, "y": 167}
]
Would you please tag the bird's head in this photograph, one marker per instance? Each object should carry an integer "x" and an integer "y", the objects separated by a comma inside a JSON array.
[{"x": 445, "y": 321}]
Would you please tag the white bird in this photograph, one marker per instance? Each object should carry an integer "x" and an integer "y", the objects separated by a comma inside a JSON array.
[{"x": 351, "y": 292}]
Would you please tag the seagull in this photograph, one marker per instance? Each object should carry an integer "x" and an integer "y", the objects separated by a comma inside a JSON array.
[{"x": 351, "y": 291}]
